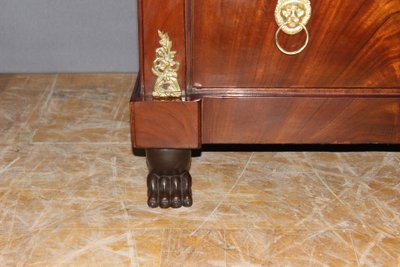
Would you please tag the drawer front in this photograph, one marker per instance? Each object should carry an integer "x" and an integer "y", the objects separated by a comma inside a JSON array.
[
  {"x": 301, "y": 120},
  {"x": 352, "y": 44}
]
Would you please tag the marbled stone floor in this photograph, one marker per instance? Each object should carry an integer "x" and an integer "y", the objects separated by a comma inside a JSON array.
[{"x": 73, "y": 194}]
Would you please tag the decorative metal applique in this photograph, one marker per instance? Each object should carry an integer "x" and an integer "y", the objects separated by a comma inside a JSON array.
[
  {"x": 166, "y": 69},
  {"x": 292, "y": 17}
]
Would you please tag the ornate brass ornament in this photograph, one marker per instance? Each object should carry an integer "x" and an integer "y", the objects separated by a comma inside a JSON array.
[
  {"x": 292, "y": 17},
  {"x": 166, "y": 69}
]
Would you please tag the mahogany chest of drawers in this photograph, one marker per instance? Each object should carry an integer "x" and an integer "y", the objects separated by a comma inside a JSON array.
[{"x": 261, "y": 72}]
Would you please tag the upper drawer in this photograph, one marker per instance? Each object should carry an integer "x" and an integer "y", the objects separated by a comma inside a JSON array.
[{"x": 352, "y": 44}]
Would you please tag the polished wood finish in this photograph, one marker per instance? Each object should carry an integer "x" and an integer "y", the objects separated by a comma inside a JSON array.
[
  {"x": 165, "y": 124},
  {"x": 254, "y": 92},
  {"x": 344, "y": 88},
  {"x": 166, "y": 16},
  {"x": 352, "y": 44},
  {"x": 301, "y": 120}
]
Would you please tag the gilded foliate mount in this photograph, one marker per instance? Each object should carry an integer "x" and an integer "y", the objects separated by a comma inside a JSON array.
[{"x": 166, "y": 70}]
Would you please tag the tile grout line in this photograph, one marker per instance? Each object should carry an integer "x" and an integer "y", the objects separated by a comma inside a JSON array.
[
  {"x": 53, "y": 86},
  {"x": 42, "y": 108},
  {"x": 224, "y": 198},
  {"x": 9, "y": 165},
  {"x": 80, "y": 143}
]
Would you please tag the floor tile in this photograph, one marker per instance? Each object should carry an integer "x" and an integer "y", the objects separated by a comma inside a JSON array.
[{"x": 73, "y": 194}]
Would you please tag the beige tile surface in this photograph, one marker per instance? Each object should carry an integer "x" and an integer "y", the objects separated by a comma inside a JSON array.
[{"x": 73, "y": 194}]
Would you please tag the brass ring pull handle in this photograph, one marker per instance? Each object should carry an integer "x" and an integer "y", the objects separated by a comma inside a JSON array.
[
  {"x": 292, "y": 17},
  {"x": 291, "y": 53}
]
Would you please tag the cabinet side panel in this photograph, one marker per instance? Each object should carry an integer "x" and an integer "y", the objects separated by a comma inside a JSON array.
[
  {"x": 166, "y": 16},
  {"x": 166, "y": 124},
  {"x": 301, "y": 120}
]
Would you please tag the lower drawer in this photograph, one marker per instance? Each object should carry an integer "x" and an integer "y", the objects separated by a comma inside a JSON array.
[{"x": 300, "y": 120}]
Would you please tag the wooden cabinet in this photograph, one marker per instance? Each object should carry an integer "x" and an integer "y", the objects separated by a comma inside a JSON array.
[
  {"x": 352, "y": 44},
  {"x": 238, "y": 87}
]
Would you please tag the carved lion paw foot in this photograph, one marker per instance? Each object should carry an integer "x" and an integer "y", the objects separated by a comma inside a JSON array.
[{"x": 167, "y": 191}]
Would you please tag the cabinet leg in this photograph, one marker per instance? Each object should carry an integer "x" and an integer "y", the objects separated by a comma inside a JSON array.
[{"x": 169, "y": 183}]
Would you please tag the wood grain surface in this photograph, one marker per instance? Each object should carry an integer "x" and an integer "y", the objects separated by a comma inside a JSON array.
[
  {"x": 344, "y": 88},
  {"x": 166, "y": 124},
  {"x": 352, "y": 44},
  {"x": 169, "y": 17},
  {"x": 301, "y": 120}
]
